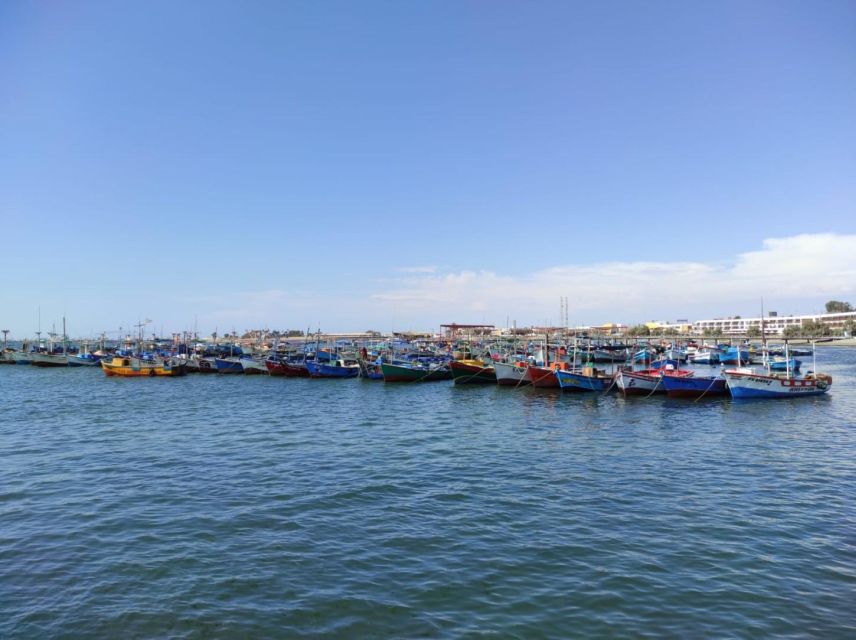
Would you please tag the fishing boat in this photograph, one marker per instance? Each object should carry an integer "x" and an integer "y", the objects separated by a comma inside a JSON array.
[
  {"x": 706, "y": 356},
  {"x": 84, "y": 358},
  {"x": 230, "y": 365},
  {"x": 646, "y": 381},
  {"x": 337, "y": 368},
  {"x": 586, "y": 379},
  {"x": 399, "y": 372},
  {"x": 472, "y": 372},
  {"x": 134, "y": 367},
  {"x": 643, "y": 356},
  {"x": 22, "y": 356},
  {"x": 48, "y": 359},
  {"x": 206, "y": 364},
  {"x": 511, "y": 374},
  {"x": 287, "y": 367},
  {"x": 370, "y": 370},
  {"x": 545, "y": 377},
  {"x": 253, "y": 367},
  {"x": 674, "y": 353},
  {"x": 608, "y": 355},
  {"x": 746, "y": 382},
  {"x": 734, "y": 355},
  {"x": 694, "y": 387},
  {"x": 784, "y": 364}
]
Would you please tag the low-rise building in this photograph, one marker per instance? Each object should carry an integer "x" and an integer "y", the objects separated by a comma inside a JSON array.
[{"x": 773, "y": 324}]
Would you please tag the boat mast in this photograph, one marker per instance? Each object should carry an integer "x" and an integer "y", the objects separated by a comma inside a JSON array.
[{"x": 764, "y": 355}]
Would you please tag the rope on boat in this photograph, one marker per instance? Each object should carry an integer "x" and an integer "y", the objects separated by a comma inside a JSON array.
[
  {"x": 659, "y": 380},
  {"x": 614, "y": 382},
  {"x": 712, "y": 382},
  {"x": 476, "y": 373}
]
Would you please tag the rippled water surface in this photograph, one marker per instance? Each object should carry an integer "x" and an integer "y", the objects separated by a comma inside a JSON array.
[{"x": 250, "y": 507}]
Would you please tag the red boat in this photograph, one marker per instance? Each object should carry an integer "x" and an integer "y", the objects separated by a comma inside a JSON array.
[
  {"x": 545, "y": 377},
  {"x": 287, "y": 369}
]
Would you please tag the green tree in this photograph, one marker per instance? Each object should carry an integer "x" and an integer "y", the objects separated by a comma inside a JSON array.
[
  {"x": 838, "y": 306},
  {"x": 639, "y": 330},
  {"x": 792, "y": 331},
  {"x": 850, "y": 326},
  {"x": 815, "y": 329},
  {"x": 710, "y": 332},
  {"x": 753, "y": 332}
]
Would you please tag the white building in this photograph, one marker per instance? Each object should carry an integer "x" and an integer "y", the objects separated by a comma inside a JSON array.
[{"x": 773, "y": 325}]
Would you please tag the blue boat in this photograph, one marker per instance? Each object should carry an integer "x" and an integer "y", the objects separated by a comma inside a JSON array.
[
  {"x": 694, "y": 387},
  {"x": 333, "y": 369},
  {"x": 83, "y": 360},
  {"x": 228, "y": 365},
  {"x": 588, "y": 379},
  {"x": 643, "y": 355},
  {"x": 781, "y": 364},
  {"x": 733, "y": 355},
  {"x": 748, "y": 383},
  {"x": 665, "y": 363}
]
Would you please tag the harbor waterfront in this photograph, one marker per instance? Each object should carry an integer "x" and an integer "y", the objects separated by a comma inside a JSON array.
[{"x": 257, "y": 506}]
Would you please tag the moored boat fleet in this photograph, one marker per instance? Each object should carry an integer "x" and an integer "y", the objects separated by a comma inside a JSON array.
[{"x": 745, "y": 371}]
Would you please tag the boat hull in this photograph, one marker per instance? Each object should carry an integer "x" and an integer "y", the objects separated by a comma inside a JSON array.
[
  {"x": 49, "y": 360},
  {"x": 136, "y": 368},
  {"x": 84, "y": 361},
  {"x": 399, "y": 373},
  {"x": 228, "y": 365},
  {"x": 743, "y": 384},
  {"x": 323, "y": 370},
  {"x": 510, "y": 375},
  {"x": 542, "y": 377},
  {"x": 287, "y": 369},
  {"x": 472, "y": 372},
  {"x": 692, "y": 387},
  {"x": 571, "y": 381},
  {"x": 253, "y": 367}
]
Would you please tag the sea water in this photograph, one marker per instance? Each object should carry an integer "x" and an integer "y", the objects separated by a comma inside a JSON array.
[{"x": 256, "y": 507}]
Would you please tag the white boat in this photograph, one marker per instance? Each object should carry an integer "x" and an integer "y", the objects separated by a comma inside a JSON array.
[
  {"x": 705, "y": 356},
  {"x": 45, "y": 359},
  {"x": 22, "y": 357},
  {"x": 253, "y": 367},
  {"x": 746, "y": 382},
  {"x": 511, "y": 373}
]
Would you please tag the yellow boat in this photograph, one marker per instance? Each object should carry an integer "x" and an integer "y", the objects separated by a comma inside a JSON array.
[{"x": 128, "y": 366}]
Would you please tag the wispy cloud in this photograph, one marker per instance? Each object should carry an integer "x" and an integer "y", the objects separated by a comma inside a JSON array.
[
  {"x": 801, "y": 267},
  {"x": 800, "y": 270}
]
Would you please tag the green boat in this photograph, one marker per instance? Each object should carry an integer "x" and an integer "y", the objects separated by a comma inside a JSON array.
[{"x": 409, "y": 373}]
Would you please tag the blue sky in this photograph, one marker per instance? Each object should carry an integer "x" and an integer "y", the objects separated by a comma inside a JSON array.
[{"x": 401, "y": 164}]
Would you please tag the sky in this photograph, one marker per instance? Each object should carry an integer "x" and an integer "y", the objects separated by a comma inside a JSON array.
[{"x": 398, "y": 165}]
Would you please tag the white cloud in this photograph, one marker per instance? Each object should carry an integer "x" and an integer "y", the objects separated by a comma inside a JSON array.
[
  {"x": 800, "y": 268},
  {"x": 793, "y": 275}
]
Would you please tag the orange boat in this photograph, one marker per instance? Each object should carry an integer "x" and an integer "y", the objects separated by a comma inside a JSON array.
[{"x": 132, "y": 367}]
